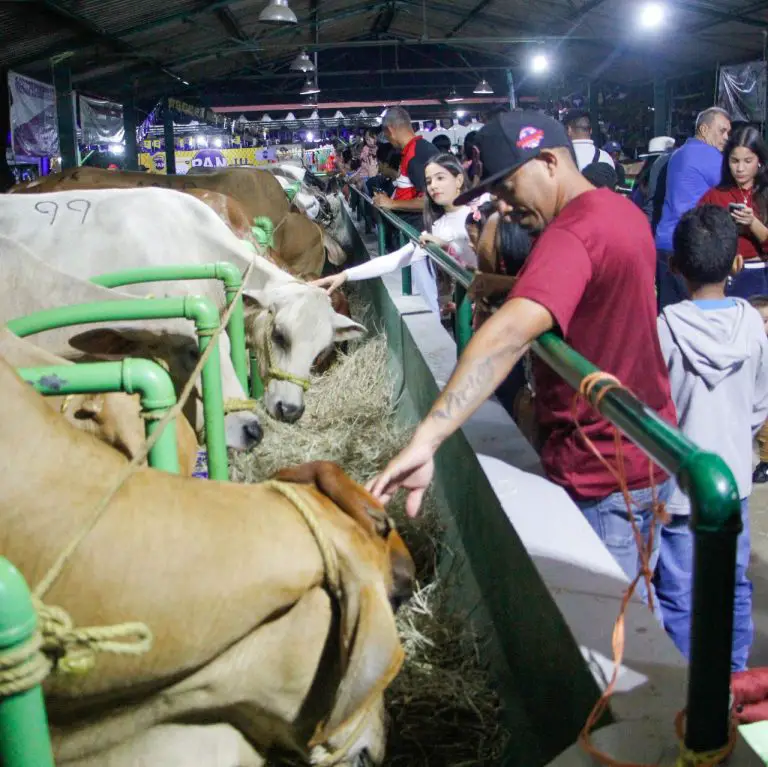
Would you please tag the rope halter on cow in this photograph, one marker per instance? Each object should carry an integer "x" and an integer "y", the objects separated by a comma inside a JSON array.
[{"x": 272, "y": 371}]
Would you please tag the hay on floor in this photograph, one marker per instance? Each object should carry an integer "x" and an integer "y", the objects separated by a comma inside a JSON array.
[{"x": 443, "y": 711}]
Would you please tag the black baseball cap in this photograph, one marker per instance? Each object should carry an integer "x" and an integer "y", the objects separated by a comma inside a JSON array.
[{"x": 509, "y": 141}]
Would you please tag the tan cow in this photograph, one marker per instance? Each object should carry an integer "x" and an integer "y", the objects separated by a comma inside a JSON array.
[
  {"x": 252, "y": 650},
  {"x": 112, "y": 418},
  {"x": 298, "y": 241}
]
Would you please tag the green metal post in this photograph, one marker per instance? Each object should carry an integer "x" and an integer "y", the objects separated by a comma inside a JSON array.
[
  {"x": 406, "y": 273},
  {"x": 381, "y": 230},
  {"x": 463, "y": 318},
  {"x": 132, "y": 376},
  {"x": 224, "y": 271},
  {"x": 201, "y": 311},
  {"x": 170, "y": 147},
  {"x": 257, "y": 384},
  {"x": 24, "y": 739},
  {"x": 65, "y": 113}
]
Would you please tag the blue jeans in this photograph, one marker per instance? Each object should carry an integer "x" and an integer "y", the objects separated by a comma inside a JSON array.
[
  {"x": 670, "y": 288},
  {"x": 609, "y": 519},
  {"x": 674, "y": 585}
]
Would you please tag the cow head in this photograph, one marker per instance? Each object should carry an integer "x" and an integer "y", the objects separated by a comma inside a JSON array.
[
  {"x": 178, "y": 354},
  {"x": 289, "y": 326},
  {"x": 371, "y": 650}
]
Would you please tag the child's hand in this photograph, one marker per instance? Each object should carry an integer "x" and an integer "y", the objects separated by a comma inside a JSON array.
[{"x": 429, "y": 237}]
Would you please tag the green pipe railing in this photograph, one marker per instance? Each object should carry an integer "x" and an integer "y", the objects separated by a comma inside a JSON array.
[
  {"x": 201, "y": 311},
  {"x": 24, "y": 738},
  {"x": 715, "y": 516},
  {"x": 132, "y": 376},
  {"x": 224, "y": 271}
]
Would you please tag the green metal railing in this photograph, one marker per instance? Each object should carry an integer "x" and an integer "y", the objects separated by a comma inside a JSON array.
[
  {"x": 201, "y": 311},
  {"x": 24, "y": 738},
  {"x": 132, "y": 376},
  {"x": 715, "y": 514},
  {"x": 224, "y": 271}
]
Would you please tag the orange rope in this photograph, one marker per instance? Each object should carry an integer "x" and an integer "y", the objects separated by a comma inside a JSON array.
[{"x": 586, "y": 392}]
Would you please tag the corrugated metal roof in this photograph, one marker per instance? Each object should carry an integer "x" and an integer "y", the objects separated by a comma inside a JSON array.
[{"x": 205, "y": 41}]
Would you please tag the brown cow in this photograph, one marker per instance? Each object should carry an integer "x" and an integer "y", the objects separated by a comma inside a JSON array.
[
  {"x": 299, "y": 242},
  {"x": 112, "y": 418},
  {"x": 252, "y": 648}
]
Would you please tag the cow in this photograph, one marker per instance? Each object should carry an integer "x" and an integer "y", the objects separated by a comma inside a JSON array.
[
  {"x": 272, "y": 616},
  {"x": 85, "y": 233},
  {"x": 299, "y": 242},
  {"x": 28, "y": 285},
  {"x": 114, "y": 418}
]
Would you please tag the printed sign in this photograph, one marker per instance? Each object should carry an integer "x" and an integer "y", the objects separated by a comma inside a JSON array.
[{"x": 34, "y": 130}]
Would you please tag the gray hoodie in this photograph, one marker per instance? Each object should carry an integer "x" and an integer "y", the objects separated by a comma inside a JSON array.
[{"x": 717, "y": 355}]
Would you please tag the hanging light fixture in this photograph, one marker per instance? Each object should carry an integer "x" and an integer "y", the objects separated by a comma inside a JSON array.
[
  {"x": 311, "y": 101},
  {"x": 453, "y": 97},
  {"x": 277, "y": 12},
  {"x": 309, "y": 88},
  {"x": 483, "y": 88},
  {"x": 302, "y": 63}
]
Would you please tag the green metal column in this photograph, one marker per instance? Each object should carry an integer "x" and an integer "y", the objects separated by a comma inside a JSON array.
[
  {"x": 65, "y": 113},
  {"x": 170, "y": 149},
  {"x": 129, "y": 121},
  {"x": 661, "y": 115},
  {"x": 406, "y": 273},
  {"x": 24, "y": 739},
  {"x": 132, "y": 376},
  {"x": 463, "y": 318}
]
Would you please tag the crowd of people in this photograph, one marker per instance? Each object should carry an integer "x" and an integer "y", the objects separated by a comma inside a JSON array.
[{"x": 666, "y": 291}]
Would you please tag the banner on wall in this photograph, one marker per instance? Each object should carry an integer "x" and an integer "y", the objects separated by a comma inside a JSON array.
[
  {"x": 741, "y": 91},
  {"x": 34, "y": 129},
  {"x": 101, "y": 121},
  {"x": 154, "y": 161}
]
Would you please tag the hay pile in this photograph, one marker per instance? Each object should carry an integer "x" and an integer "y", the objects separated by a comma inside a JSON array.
[{"x": 442, "y": 709}]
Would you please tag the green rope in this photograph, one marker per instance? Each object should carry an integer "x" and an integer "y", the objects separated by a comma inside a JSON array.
[
  {"x": 263, "y": 230},
  {"x": 292, "y": 190}
]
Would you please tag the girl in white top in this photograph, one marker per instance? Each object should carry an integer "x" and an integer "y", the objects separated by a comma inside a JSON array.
[{"x": 445, "y": 226}]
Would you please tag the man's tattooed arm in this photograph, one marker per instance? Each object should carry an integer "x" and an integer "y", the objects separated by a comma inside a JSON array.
[{"x": 486, "y": 362}]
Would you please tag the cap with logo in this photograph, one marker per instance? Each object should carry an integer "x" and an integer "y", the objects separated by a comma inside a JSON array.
[{"x": 511, "y": 140}]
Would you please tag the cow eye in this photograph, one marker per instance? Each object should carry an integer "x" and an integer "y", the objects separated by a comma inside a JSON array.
[{"x": 279, "y": 339}]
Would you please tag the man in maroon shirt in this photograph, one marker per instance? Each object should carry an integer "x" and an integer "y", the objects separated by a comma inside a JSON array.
[{"x": 590, "y": 276}]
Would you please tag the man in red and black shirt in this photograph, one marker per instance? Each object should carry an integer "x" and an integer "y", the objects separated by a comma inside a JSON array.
[
  {"x": 590, "y": 276},
  {"x": 408, "y": 199}
]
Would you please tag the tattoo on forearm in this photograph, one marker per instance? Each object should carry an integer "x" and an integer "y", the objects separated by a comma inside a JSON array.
[{"x": 454, "y": 402}]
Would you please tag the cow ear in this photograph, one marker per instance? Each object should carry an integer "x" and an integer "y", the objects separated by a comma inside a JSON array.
[
  {"x": 254, "y": 301},
  {"x": 375, "y": 656},
  {"x": 104, "y": 342},
  {"x": 345, "y": 329}
]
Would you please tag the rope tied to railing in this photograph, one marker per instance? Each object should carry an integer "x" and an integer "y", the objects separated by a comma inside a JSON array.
[{"x": 593, "y": 388}]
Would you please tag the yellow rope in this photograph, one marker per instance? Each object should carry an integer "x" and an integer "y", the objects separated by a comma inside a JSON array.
[
  {"x": 66, "y": 403},
  {"x": 234, "y": 405},
  {"x": 23, "y": 668},
  {"x": 272, "y": 371},
  {"x": 689, "y": 758}
]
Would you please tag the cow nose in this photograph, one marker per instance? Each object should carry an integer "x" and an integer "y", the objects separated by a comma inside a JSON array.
[
  {"x": 289, "y": 413},
  {"x": 253, "y": 433}
]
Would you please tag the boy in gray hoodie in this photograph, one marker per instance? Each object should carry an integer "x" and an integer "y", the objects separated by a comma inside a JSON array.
[{"x": 717, "y": 354}]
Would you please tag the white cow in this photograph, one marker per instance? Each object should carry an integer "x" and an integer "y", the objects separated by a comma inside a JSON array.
[
  {"x": 88, "y": 232},
  {"x": 28, "y": 285}
]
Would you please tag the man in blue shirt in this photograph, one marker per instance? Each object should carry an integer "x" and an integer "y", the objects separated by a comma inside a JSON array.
[{"x": 691, "y": 172}]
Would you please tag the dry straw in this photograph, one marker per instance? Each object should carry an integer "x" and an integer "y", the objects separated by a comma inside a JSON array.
[{"x": 443, "y": 711}]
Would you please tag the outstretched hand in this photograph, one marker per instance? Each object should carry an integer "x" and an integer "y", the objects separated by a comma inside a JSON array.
[
  {"x": 331, "y": 283},
  {"x": 412, "y": 469}
]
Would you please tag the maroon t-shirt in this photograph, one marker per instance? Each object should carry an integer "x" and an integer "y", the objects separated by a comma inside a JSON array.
[{"x": 593, "y": 268}]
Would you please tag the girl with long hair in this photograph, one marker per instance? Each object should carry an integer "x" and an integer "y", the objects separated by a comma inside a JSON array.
[
  {"x": 444, "y": 225},
  {"x": 744, "y": 191}
]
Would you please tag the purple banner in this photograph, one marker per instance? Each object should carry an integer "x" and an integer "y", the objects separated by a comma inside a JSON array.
[{"x": 34, "y": 130}]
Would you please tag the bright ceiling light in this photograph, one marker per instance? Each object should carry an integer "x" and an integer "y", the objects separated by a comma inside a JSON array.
[
  {"x": 310, "y": 136},
  {"x": 302, "y": 63},
  {"x": 117, "y": 149},
  {"x": 652, "y": 15},
  {"x": 277, "y": 12},
  {"x": 453, "y": 97},
  {"x": 201, "y": 141},
  {"x": 460, "y": 113},
  {"x": 539, "y": 63},
  {"x": 483, "y": 88},
  {"x": 309, "y": 87}
]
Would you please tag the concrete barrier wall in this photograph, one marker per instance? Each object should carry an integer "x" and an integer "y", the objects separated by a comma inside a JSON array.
[{"x": 539, "y": 583}]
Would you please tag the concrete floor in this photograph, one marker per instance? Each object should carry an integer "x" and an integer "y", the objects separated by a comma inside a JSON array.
[{"x": 758, "y": 572}]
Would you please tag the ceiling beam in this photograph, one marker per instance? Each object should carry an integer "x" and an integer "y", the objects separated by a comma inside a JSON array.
[
  {"x": 588, "y": 7},
  {"x": 372, "y": 71},
  {"x": 383, "y": 20},
  {"x": 722, "y": 17},
  {"x": 469, "y": 17},
  {"x": 754, "y": 8}
]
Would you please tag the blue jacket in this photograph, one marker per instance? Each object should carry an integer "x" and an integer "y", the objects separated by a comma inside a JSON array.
[{"x": 693, "y": 170}]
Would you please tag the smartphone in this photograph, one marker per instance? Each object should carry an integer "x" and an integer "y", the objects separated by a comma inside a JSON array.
[{"x": 736, "y": 206}]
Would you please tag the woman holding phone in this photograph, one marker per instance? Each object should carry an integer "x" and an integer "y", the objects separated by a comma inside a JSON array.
[{"x": 744, "y": 191}]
